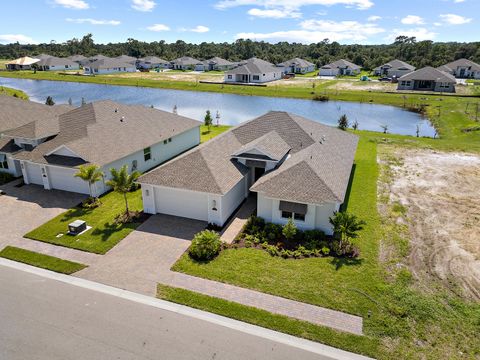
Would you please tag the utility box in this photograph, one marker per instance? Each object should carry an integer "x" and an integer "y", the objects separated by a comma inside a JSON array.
[{"x": 77, "y": 227}]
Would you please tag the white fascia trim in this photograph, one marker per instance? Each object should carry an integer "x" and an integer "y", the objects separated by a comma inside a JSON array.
[{"x": 66, "y": 147}]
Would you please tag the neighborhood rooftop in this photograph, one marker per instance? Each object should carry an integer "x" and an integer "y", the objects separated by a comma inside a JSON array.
[
  {"x": 254, "y": 66},
  {"x": 296, "y": 62},
  {"x": 429, "y": 74}
]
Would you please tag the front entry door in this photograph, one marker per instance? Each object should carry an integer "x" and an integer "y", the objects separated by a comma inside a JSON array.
[{"x": 259, "y": 173}]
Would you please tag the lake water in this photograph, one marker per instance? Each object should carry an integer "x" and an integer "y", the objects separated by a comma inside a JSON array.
[{"x": 233, "y": 109}]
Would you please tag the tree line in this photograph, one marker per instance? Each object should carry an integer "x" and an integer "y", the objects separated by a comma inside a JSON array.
[{"x": 417, "y": 53}]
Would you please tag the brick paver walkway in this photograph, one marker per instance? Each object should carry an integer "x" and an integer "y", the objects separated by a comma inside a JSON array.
[{"x": 239, "y": 219}]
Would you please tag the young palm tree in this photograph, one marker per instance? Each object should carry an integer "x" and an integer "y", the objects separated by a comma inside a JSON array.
[
  {"x": 91, "y": 174},
  {"x": 346, "y": 227},
  {"x": 123, "y": 182}
]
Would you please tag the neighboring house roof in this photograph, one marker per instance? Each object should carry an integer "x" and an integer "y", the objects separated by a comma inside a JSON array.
[
  {"x": 77, "y": 58},
  {"x": 56, "y": 61},
  {"x": 341, "y": 64},
  {"x": 397, "y": 65},
  {"x": 185, "y": 61},
  {"x": 429, "y": 74},
  {"x": 153, "y": 60},
  {"x": 42, "y": 56},
  {"x": 460, "y": 62},
  {"x": 219, "y": 61},
  {"x": 105, "y": 131},
  {"x": 315, "y": 172},
  {"x": 17, "y": 113},
  {"x": 97, "y": 57},
  {"x": 296, "y": 62},
  {"x": 23, "y": 61},
  {"x": 109, "y": 64},
  {"x": 127, "y": 59},
  {"x": 254, "y": 66}
]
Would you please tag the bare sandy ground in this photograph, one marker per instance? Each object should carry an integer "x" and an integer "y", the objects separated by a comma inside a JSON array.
[
  {"x": 172, "y": 76},
  {"x": 442, "y": 194}
]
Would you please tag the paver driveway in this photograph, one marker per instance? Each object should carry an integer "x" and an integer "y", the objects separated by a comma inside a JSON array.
[{"x": 25, "y": 208}]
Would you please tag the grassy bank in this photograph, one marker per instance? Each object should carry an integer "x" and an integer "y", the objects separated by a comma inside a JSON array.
[
  {"x": 13, "y": 92},
  {"x": 40, "y": 260}
]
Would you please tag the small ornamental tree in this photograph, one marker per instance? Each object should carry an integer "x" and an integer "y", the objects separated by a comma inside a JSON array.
[
  {"x": 123, "y": 182},
  {"x": 91, "y": 174},
  {"x": 205, "y": 245},
  {"x": 208, "y": 120},
  {"x": 289, "y": 229},
  {"x": 343, "y": 122},
  {"x": 345, "y": 227},
  {"x": 49, "y": 101}
]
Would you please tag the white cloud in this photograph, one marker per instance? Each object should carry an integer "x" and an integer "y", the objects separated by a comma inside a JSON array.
[
  {"x": 288, "y": 4},
  {"x": 453, "y": 19},
  {"x": 413, "y": 20},
  {"x": 158, "y": 27},
  {"x": 143, "y": 5},
  {"x": 420, "y": 33},
  {"x": 313, "y": 31},
  {"x": 374, "y": 18},
  {"x": 13, "y": 38},
  {"x": 72, "y": 4},
  {"x": 458, "y": 1},
  {"x": 274, "y": 13},
  {"x": 197, "y": 29},
  {"x": 94, "y": 21}
]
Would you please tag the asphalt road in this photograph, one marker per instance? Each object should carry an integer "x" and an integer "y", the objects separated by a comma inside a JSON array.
[{"x": 45, "y": 319}]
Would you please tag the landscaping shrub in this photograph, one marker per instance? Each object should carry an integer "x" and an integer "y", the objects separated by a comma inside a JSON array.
[
  {"x": 205, "y": 245},
  {"x": 5, "y": 178}
]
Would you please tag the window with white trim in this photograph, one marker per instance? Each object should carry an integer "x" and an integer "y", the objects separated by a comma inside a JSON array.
[{"x": 147, "y": 154}]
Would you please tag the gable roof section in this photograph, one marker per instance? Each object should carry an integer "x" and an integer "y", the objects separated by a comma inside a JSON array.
[
  {"x": 185, "y": 60},
  {"x": 127, "y": 59},
  {"x": 296, "y": 62},
  {"x": 397, "y": 65},
  {"x": 56, "y": 61},
  {"x": 109, "y": 63},
  {"x": 105, "y": 131},
  {"x": 219, "y": 61},
  {"x": 429, "y": 74},
  {"x": 314, "y": 173},
  {"x": 270, "y": 144},
  {"x": 153, "y": 60},
  {"x": 254, "y": 66},
  {"x": 341, "y": 64},
  {"x": 460, "y": 62},
  {"x": 23, "y": 61}
]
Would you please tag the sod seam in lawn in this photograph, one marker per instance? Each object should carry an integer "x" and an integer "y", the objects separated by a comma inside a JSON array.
[
  {"x": 103, "y": 235},
  {"x": 40, "y": 260},
  {"x": 359, "y": 344}
]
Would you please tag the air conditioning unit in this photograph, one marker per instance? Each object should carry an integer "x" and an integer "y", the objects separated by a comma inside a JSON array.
[{"x": 77, "y": 227}]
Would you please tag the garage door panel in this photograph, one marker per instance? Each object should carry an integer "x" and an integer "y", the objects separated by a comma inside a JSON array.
[
  {"x": 181, "y": 203},
  {"x": 34, "y": 173},
  {"x": 64, "y": 179}
]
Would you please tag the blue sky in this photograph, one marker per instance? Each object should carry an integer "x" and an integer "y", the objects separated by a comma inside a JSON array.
[{"x": 306, "y": 21}]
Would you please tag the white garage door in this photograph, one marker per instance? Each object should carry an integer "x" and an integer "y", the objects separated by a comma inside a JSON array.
[
  {"x": 176, "y": 202},
  {"x": 34, "y": 174},
  {"x": 63, "y": 179}
]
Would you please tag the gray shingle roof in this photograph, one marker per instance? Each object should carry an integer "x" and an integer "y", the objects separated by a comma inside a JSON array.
[
  {"x": 429, "y": 74},
  {"x": 185, "y": 61},
  {"x": 271, "y": 144},
  {"x": 219, "y": 61},
  {"x": 154, "y": 60},
  {"x": 108, "y": 63},
  {"x": 105, "y": 131},
  {"x": 314, "y": 173},
  {"x": 77, "y": 58},
  {"x": 460, "y": 62},
  {"x": 397, "y": 65},
  {"x": 296, "y": 62},
  {"x": 127, "y": 59},
  {"x": 56, "y": 61},
  {"x": 341, "y": 64},
  {"x": 254, "y": 66},
  {"x": 16, "y": 113}
]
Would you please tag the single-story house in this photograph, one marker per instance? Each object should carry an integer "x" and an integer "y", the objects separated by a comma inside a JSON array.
[
  {"x": 53, "y": 63},
  {"x": 462, "y": 69},
  {"x": 297, "y": 66},
  {"x": 23, "y": 63},
  {"x": 108, "y": 66},
  {"x": 394, "y": 68},
  {"x": 340, "y": 67},
  {"x": 127, "y": 59},
  {"x": 427, "y": 79},
  {"x": 215, "y": 64},
  {"x": 254, "y": 70},
  {"x": 105, "y": 133},
  {"x": 299, "y": 169},
  {"x": 152, "y": 62},
  {"x": 79, "y": 59},
  {"x": 15, "y": 114},
  {"x": 184, "y": 63}
]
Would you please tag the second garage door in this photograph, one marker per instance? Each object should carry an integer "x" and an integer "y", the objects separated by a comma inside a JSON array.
[{"x": 189, "y": 204}]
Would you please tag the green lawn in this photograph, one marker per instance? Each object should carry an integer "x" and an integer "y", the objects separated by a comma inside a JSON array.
[
  {"x": 40, "y": 260},
  {"x": 13, "y": 92},
  {"x": 309, "y": 74},
  {"x": 206, "y": 135},
  {"x": 359, "y": 344},
  {"x": 104, "y": 234}
]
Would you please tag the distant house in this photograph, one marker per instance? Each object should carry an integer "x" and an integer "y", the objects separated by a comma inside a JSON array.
[
  {"x": 184, "y": 63},
  {"x": 297, "y": 66},
  {"x": 340, "y": 67},
  {"x": 23, "y": 63},
  {"x": 127, "y": 59},
  {"x": 108, "y": 66},
  {"x": 462, "y": 69},
  {"x": 152, "y": 62},
  {"x": 97, "y": 57},
  {"x": 49, "y": 149},
  {"x": 53, "y": 63},
  {"x": 215, "y": 64},
  {"x": 254, "y": 70},
  {"x": 79, "y": 59},
  {"x": 428, "y": 79},
  {"x": 299, "y": 168},
  {"x": 394, "y": 68}
]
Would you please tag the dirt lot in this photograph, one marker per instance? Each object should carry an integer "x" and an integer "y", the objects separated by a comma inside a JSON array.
[
  {"x": 172, "y": 76},
  {"x": 441, "y": 192}
]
